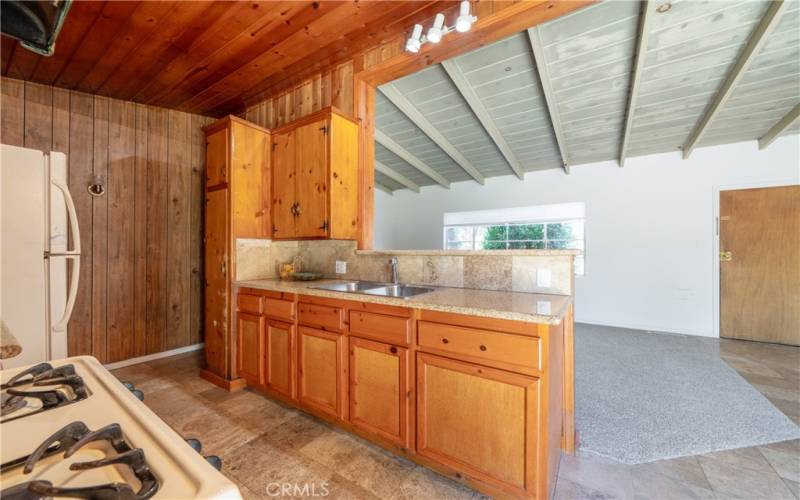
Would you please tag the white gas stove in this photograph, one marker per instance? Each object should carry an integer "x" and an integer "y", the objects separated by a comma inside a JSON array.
[{"x": 69, "y": 428}]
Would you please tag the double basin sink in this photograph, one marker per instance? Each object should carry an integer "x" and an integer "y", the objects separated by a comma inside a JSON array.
[{"x": 375, "y": 288}]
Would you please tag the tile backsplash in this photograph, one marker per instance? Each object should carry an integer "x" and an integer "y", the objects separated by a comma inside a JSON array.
[{"x": 502, "y": 270}]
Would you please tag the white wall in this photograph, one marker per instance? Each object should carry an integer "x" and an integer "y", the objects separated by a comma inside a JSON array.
[{"x": 650, "y": 226}]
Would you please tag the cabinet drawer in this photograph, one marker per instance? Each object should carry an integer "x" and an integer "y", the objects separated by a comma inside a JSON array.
[
  {"x": 280, "y": 309},
  {"x": 249, "y": 303},
  {"x": 389, "y": 329},
  {"x": 325, "y": 317},
  {"x": 512, "y": 352}
]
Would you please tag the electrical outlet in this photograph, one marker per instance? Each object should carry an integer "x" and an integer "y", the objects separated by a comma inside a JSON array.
[
  {"x": 543, "y": 277},
  {"x": 341, "y": 267}
]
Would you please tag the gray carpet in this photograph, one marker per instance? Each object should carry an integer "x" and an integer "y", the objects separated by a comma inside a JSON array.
[{"x": 642, "y": 396}]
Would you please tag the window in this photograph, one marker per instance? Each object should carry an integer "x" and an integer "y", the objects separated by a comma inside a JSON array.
[{"x": 550, "y": 226}]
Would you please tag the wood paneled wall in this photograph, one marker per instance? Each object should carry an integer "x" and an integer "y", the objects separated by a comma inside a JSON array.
[{"x": 141, "y": 275}]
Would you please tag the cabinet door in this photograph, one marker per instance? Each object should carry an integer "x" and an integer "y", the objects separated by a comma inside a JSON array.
[
  {"x": 283, "y": 185},
  {"x": 479, "y": 421},
  {"x": 312, "y": 179},
  {"x": 249, "y": 189},
  {"x": 216, "y": 290},
  {"x": 250, "y": 348},
  {"x": 379, "y": 392},
  {"x": 321, "y": 370},
  {"x": 280, "y": 357},
  {"x": 217, "y": 157}
]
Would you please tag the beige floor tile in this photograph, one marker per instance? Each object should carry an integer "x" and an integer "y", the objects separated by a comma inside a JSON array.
[{"x": 784, "y": 458}]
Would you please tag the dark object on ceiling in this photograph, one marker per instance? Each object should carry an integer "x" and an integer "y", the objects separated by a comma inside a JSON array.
[{"x": 34, "y": 23}]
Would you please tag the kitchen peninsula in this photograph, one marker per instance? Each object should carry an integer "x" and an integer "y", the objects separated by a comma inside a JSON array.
[{"x": 417, "y": 375}]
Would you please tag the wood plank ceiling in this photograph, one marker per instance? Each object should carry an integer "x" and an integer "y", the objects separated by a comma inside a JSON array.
[
  {"x": 567, "y": 104},
  {"x": 206, "y": 57}
]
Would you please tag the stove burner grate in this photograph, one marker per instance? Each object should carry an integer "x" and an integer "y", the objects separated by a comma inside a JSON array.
[
  {"x": 69, "y": 439},
  {"x": 41, "y": 375}
]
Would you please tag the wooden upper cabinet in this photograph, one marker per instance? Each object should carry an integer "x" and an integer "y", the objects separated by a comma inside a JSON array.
[{"x": 315, "y": 177}]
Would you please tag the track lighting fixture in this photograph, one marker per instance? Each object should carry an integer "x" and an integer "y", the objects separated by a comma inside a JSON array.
[{"x": 435, "y": 33}]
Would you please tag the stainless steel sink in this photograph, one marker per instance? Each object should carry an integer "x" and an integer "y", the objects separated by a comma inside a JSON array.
[
  {"x": 374, "y": 288},
  {"x": 402, "y": 291},
  {"x": 352, "y": 286}
]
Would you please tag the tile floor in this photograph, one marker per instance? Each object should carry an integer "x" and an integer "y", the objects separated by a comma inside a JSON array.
[{"x": 263, "y": 443}]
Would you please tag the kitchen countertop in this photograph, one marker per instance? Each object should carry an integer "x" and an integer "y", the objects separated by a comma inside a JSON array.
[{"x": 519, "y": 306}]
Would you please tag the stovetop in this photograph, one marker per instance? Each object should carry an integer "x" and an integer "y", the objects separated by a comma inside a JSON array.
[{"x": 81, "y": 433}]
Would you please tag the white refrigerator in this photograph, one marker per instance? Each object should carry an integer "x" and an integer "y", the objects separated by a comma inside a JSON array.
[{"x": 39, "y": 259}]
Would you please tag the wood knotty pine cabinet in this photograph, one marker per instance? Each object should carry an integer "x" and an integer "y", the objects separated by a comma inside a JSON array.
[
  {"x": 311, "y": 167},
  {"x": 485, "y": 401},
  {"x": 236, "y": 206},
  {"x": 315, "y": 178}
]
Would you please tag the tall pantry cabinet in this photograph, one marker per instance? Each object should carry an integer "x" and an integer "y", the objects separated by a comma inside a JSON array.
[{"x": 237, "y": 205}]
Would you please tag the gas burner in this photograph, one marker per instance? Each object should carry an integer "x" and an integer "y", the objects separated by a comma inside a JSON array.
[
  {"x": 69, "y": 440},
  {"x": 63, "y": 385}
]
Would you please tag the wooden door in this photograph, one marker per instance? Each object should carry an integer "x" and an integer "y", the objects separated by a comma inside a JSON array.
[
  {"x": 217, "y": 157},
  {"x": 478, "y": 420},
  {"x": 283, "y": 185},
  {"x": 280, "y": 339},
  {"x": 379, "y": 392},
  {"x": 250, "y": 348},
  {"x": 216, "y": 276},
  {"x": 320, "y": 370},
  {"x": 760, "y": 284},
  {"x": 249, "y": 190},
  {"x": 312, "y": 179}
]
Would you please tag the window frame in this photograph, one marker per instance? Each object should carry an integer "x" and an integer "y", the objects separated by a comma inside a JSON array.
[{"x": 545, "y": 239}]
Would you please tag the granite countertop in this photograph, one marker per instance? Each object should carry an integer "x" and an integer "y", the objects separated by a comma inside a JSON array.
[{"x": 519, "y": 306}]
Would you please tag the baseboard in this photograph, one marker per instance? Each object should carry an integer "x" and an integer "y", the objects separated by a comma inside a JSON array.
[
  {"x": 154, "y": 356},
  {"x": 229, "y": 385},
  {"x": 648, "y": 328}
]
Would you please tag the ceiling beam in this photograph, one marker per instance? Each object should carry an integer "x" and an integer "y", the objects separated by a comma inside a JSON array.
[
  {"x": 539, "y": 60},
  {"x": 777, "y": 129},
  {"x": 407, "y": 108},
  {"x": 383, "y": 188},
  {"x": 409, "y": 158},
  {"x": 636, "y": 76},
  {"x": 754, "y": 44},
  {"x": 396, "y": 176},
  {"x": 474, "y": 102}
]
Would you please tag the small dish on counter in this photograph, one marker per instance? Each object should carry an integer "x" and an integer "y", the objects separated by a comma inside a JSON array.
[{"x": 306, "y": 276}]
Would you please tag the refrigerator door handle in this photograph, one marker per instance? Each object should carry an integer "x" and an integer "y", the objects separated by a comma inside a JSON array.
[
  {"x": 73, "y": 216},
  {"x": 61, "y": 325},
  {"x": 74, "y": 255}
]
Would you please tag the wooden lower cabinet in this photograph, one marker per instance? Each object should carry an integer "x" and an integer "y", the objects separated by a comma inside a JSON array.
[
  {"x": 320, "y": 372},
  {"x": 379, "y": 389},
  {"x": 478, "y": 420},
  {"x": 280, "y": 357},
  {"x": 483, "y": 401},
  {"x": 250, "y": 337}
]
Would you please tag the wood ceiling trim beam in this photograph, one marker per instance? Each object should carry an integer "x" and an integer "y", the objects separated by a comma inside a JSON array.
[
  {"x": 777, "y": 129},
  {"x": 407, "y": 108},
  {"x": 636, "y": 76},
  {"x": 396, "y": 176},
  {"x": 383, "y": 188},
  {"x": 474, "y": 102},
  {"x": 753, "y": 47},
  {"x": 409, "y": 158},
  {"x": 540, "y": 62}
]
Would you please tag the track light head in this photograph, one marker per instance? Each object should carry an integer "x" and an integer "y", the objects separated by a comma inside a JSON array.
[
  {"x": 465, "y": 19},
  {"x": 414, "y": 43},
  {"x": 436, "y": 31}
]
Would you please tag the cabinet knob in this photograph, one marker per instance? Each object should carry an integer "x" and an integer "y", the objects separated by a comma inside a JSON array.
[
  {"x": 393, "y": 350},
  {"x": 483, "y": 347},
  {"x": 444, "y": 340}
]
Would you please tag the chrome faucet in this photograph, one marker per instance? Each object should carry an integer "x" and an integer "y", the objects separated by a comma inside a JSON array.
[{"x": 393, "y": 263}]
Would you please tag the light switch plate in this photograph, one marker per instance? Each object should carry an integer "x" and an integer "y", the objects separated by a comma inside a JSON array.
[
  {"x": 341, "y": 267},
  {"x": 543, "y": 277}
]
